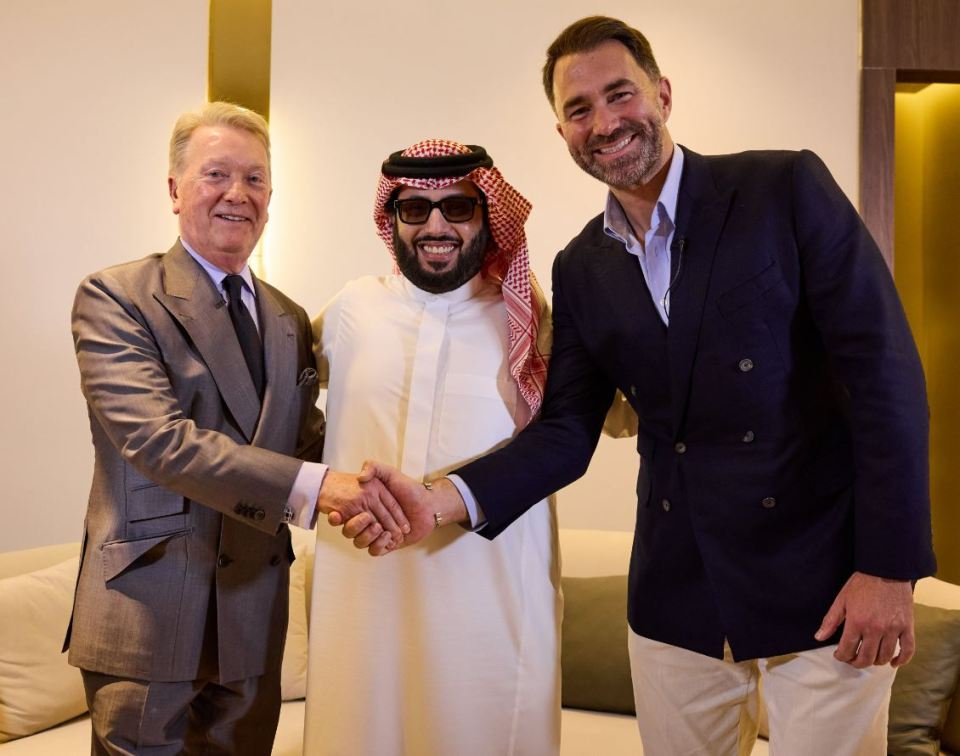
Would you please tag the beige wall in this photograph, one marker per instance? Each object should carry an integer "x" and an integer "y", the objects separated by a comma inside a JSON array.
[
  {"x": 927, "y": 271},
  {"x": 90, "y": 92},
  {"x": 351, "y": 84}
]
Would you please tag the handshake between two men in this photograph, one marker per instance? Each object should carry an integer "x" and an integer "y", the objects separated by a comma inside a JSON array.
[{"x": 382, "y": 510}]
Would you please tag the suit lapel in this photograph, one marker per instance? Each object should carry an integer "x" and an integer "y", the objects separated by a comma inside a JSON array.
[
  {"x": 702, "y": 209},
  {"x": 623, "y": 280},
  {"x": 278, "y": 332},
  {"x": 190, "y": 297}
]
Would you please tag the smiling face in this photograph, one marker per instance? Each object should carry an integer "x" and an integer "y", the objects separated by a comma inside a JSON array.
[
  {"x": 438, "y": 255},
  {"x": 222, "y": 194},
  {"x": 612, "y": 116}
]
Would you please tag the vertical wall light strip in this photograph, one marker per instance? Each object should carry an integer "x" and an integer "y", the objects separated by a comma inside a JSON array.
[{"x": 238, "y": 67}]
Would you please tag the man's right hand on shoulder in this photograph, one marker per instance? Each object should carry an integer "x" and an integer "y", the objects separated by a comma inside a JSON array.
[{"x": 344, "y": 497}]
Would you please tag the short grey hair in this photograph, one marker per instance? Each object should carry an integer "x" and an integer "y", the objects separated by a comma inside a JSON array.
[{"x": 215, "y": 114}]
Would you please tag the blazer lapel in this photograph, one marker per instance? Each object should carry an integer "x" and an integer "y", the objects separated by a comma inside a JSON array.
[
  {"x": 278, "y": 332},
  {"x": 190, "y": 297},
  {"x": 623, "y": 280},
  {"x": 702, "y": 209}
]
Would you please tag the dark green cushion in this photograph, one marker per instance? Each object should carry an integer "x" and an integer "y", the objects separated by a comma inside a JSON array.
[
  {"x": 923, "y": 689},
  {"x": 594, "y": 660}
]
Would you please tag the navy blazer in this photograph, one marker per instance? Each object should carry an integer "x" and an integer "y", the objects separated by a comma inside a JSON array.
[{"x": 783, "y": 414}]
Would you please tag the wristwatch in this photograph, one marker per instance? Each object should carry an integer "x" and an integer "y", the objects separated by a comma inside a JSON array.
[{"x": 288, "y": 514}]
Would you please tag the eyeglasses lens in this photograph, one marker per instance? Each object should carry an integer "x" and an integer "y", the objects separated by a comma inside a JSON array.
[
  {"x": 414, "y": 210},
  {"x": 454, "y": 209}
]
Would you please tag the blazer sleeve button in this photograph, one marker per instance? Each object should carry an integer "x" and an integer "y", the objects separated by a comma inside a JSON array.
[{"x": 259, "y": 514}]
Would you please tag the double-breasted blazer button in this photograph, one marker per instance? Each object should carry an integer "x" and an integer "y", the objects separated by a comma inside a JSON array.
[
  {"x": 665, "y": 503},
  {"x": 680, "y": 447},
  {"x": 748, "y": 437},
  {"x": 768, "y": 503},
  {"x": 274, "y": 560},
  {"x": 223, "y": 560},
  {"x": 745, "y": 365}
]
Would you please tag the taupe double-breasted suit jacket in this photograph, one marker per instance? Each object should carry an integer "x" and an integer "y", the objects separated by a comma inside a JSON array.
[{"x": 191, "y": 472}]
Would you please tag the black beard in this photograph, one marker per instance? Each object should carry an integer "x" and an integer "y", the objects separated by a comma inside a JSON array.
[
  {"x": 628, "y": 171},
  {"x": 468, "y": 264}
]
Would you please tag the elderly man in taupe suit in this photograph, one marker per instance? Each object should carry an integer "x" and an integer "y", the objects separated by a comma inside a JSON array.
[{"x": 200, "y": 385}]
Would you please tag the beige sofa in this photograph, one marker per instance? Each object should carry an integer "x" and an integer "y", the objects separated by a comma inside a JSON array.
[{"x": 40, "y": 694}]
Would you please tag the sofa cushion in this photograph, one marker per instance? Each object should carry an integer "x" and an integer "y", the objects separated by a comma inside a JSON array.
[
  {"x": 293, "y": 672},
  {"x": 38, "y": 689},
  {"x": 594, "y": 659},
  {"x": 950, "y": 737},
  {"x": 923, "y": 689}
]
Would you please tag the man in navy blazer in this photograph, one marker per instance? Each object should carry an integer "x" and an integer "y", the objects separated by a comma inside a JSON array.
[{"x": 743, "y": 310}]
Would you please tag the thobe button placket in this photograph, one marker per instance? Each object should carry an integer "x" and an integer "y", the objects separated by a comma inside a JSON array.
[
  {"x": 665, "y": 503},
  {"x": 680, "y": 447},
  {"x": 745, "y": 365},
  {"x": 748, "y": 437},
  {"x": 423, "y": 387},
  {"x": 768, "y": 503}
]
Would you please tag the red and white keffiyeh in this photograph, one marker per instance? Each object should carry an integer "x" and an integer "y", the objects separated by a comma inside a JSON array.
[{"x": 508, "y": 264}]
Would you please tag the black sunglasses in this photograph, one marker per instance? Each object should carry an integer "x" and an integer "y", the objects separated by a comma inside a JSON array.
[{"x": 456, "y": 209}]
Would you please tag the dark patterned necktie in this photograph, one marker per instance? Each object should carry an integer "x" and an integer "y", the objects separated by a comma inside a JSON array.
[{"x": 246, "y": 330}]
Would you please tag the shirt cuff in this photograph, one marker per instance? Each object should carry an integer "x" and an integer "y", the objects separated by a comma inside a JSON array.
[
  {"x": 303, "y": 495},
  {"x": 477, "y": 518}
]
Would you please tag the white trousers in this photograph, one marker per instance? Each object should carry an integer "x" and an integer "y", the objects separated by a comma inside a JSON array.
[{"x": 689, "y": 704}]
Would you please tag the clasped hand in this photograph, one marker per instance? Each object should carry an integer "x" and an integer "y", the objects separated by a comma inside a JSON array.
[
  {"x": 406, "y": 501},
  {"x": 351, "y": 498}
]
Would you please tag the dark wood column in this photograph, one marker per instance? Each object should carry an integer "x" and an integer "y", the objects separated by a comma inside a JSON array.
[{"x": 907, "y": 41}]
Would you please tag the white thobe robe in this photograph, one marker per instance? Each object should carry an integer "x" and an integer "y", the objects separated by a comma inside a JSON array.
[{"x": 449, "y": 646}]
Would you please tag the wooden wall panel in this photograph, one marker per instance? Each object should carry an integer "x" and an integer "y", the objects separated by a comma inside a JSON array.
[
  {"x": 879, "y": 40},
  {"x": 911, "y": 34},
  {"x": 877, "y": 156},
  {"x": 906, "y": 40},
  {"x": 938, "y": 35}
]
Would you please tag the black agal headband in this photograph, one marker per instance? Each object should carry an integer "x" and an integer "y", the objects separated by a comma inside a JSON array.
[{"x": 443, "y": 166}]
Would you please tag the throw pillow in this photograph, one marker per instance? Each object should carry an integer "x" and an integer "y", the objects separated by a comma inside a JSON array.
[
  {"x": 923, "y": 689},
  {"x": 38, "y": 689},
  {"x": 293, "y": 671},
  {"x": 594, "y": 659}
]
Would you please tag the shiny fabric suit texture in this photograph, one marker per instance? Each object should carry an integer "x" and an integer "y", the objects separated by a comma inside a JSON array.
[
  {"x": 783, "y": 415},
  {"x": 191, "y": 472}
]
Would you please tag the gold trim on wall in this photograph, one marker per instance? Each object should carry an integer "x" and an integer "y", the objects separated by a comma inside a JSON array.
[
  {"x": 238, "y": 67},
  {"x": 239, "y": 63}
]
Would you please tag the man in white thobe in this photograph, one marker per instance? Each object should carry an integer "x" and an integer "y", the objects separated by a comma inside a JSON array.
[{"x": 450, "y": 647}]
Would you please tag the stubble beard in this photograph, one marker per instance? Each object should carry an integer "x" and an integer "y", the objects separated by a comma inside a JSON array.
[
  {"x": 630, "y": 170},
  {"x": 468, "y": 264}
]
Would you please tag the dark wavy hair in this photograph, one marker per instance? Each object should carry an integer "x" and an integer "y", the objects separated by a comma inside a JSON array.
[{"x": 588, "y": 34}]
